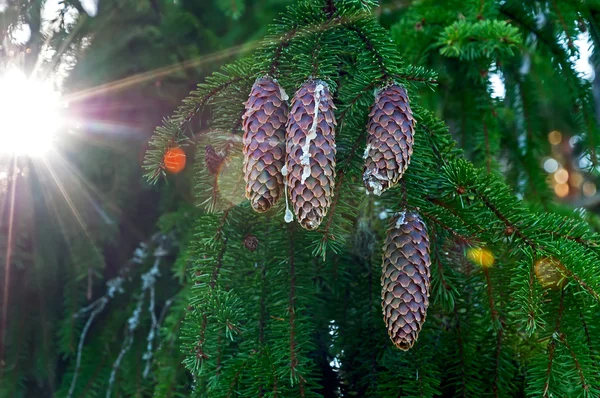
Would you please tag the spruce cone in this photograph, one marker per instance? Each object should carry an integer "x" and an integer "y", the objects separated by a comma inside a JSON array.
[
  {"x": 213, "y": 160},
  {"x": 390, "y": 139},
  {"x": 311, "y": 153},
  {"x": 264, "y": 151},
  {"x": 405, "y": 279}
]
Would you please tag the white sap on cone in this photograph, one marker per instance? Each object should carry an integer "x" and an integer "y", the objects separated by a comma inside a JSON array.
[
  {"x": 289, "y": 216},
  {"x": 312, "y": 134}
]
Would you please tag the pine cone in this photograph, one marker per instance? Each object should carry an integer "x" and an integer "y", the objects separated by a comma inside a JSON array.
[
  {"x": 405, "y": 279},
  {"x": 311, "y": 153},
  {"x": 213, "y": 160},
  {"x": 264, "y": 151},
  {"x": 251, "y": 242},
  {"x": 390, "y": 139}
]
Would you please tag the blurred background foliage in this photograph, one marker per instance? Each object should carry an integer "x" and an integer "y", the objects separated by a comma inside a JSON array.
[{"x": 124, "y": 65}]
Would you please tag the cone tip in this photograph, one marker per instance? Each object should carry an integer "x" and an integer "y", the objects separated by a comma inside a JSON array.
[{"x": 404, "y": 345}]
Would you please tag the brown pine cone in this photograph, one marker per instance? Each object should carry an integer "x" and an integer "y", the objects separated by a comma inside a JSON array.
[
  {"x": 251, "y": 242},
  {"x": 390, "y": 139},
  {"x": 213, "y": 160},
  {"x": 311, "y": 153},
  {"x": 405, "y": 279},
  {"x": 264, "y": 150}
]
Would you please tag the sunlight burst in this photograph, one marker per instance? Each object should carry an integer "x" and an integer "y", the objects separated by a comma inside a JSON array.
[{"x": 29, "y": 114}]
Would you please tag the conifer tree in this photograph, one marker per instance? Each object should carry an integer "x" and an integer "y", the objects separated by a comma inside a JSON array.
[
  {"x": 514, "y": 274},
  {"x": 412, "y": 191}
]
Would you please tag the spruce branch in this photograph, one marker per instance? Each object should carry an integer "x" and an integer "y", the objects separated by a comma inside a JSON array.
[
  {"x": 584, "y": 385},
  {"x": 172, "y": 134},
  {"x": 461, "y": 350},
  {"x": 588, "y": 338},
  {"x": 336, "y": 195},
  {"x": 330, "y": 8},
  {"x": 219, "y": 264},
  {"x": 529, "y": 242},
  {"x": 512, "y": 227},
  {"x": 463, "y": 238},
  {"x": 531, "y": 313},
  {"x": 294, "y": 375},
  {"x": 349, "y": 107},
  {"x": 564, "y": 26},
  {"x": 450, "y": 208},
  {"x": 219, "y": 239},
  {"x": 369, "y": 45},
  {"x": 591, "y": 243},
  {"x": 152, "y": 333},
  {"x": 262, "y": 306},
  {"x": 97, "y": 373},
  {"x": 482, "y": 39},
  {"x": 114, "y": 287},
  {"x": 133, "y": 322},
  {"x": 240, "y": 368},
  {"x": 440, "y": 269},
  {"x": 99, "y": 308},
  {"x": 497, "y": 327},
  {"x": 148, "y": 281},
  {"x": 509, "y": 226},
  {"x": 418, "y": 74},
  {"x": 283, "y": 43},
  {"x": 552, "y": 344}
]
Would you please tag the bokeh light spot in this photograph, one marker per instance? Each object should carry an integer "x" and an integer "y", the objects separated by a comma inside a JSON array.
[
  {"x": 561, "y": 176},
  {"x": 561, "y": 190},
  {"x": 589, "y": 189},
  {"x": 555, "y": 137},
  {"x": 481, "y": 256}
]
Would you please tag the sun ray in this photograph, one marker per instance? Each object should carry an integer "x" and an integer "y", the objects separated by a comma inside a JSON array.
[
  {"x": 52, "y": 205},
  {"x": 84, "y": 186},
  {"x": 160, "y": 72},
  {"x": 5, "y": 295},
  {"x": 70, "y": 203},
  {"x": 46, "y": 192}
]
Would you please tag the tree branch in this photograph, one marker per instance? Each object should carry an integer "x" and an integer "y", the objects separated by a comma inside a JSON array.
[{"x": 552, "y": 344}]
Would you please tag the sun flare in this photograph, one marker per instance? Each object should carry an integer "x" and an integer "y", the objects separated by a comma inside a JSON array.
[{"x": 30, "y": 114}]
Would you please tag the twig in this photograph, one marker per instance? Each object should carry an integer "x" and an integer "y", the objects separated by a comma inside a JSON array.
[{"x": 552, "y": 344}]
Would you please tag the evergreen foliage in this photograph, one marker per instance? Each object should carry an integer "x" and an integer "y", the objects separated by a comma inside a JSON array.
[
  {"x": 500, "y": 332},
  {"x": 301, "y": 315}
]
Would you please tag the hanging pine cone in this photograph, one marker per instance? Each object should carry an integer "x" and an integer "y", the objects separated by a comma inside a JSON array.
[
  {"x": 405, "y": 279},
  {"x": 390, "y": 139},
  {"x": 213, "y": 160},
  {"x": 311, "y": 153},
  {"x": 264, "y": 151}
]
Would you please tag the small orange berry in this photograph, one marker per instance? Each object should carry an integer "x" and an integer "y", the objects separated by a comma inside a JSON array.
[{"x": 174, "y": 160}]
